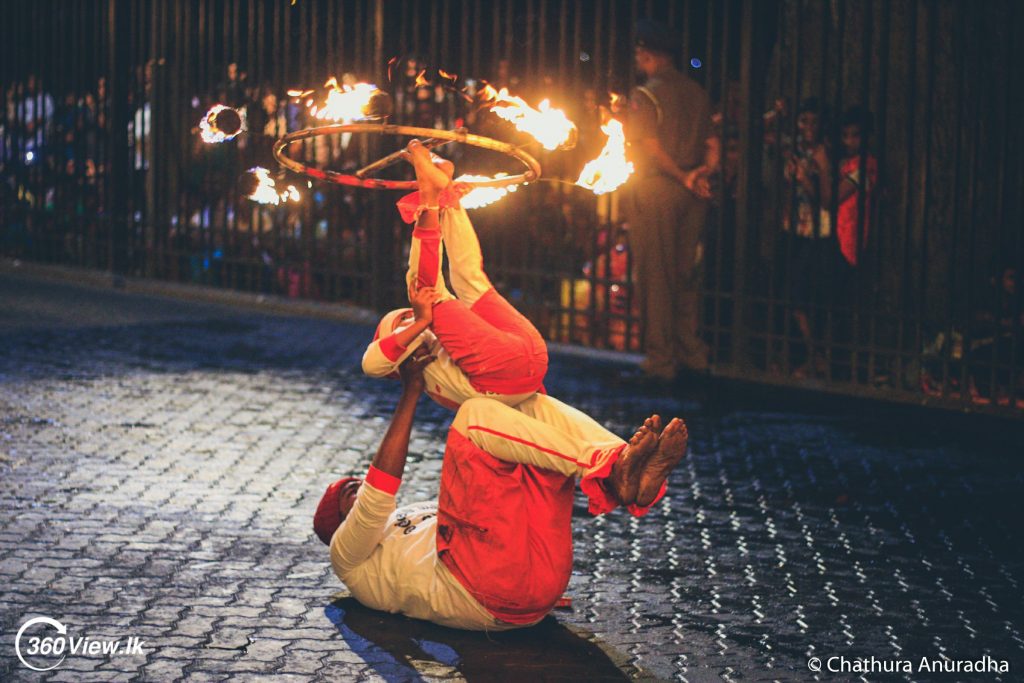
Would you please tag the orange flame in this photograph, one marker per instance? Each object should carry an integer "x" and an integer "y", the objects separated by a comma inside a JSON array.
[
  {"x": 482, "y": 196},
  {"x": 550, "y": 127},
  {"x": 266, "y": 191},
  {"x": 421, "y": 79},
  {"x": 445, "y": 74},
  {"x": 610, "y": 169},
  {"x": 344, "y": 103},
  {"x": 487, "y": 93}
]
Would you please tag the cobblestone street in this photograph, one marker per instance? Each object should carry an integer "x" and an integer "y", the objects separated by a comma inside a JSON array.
[{"x": 160, "y": 462}]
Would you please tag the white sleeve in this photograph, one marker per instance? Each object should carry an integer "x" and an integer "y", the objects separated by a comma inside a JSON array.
[
  {"x": 376, "y": 359},
  {"x": 362, "y": 530}
]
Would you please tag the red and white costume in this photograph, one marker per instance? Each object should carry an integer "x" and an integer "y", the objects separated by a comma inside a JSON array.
[
  {"x": 483, "y": 345},
  {"x": 495, "y": 551},
  {"x": 479, "y": 340}
]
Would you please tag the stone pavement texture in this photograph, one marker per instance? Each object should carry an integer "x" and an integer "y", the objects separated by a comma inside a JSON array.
[{"x": 160, "y": 462}]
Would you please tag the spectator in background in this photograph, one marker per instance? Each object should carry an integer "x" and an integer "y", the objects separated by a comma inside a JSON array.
[
  {"x": 808, "y": 250},
  {"x": 35, "y": 114},
  {"x": 858, "y": 174},
  {"x": 675, "y": 152},
  {"x": 233, "y": 87},
  {"x": 267, "y": 122}
]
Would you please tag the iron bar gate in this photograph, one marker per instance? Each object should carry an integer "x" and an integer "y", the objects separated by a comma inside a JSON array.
[{"x": 903, "y": 286}]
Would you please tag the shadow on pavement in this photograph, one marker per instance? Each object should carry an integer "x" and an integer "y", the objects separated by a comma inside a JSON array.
[{"x": 403, "y": 649}]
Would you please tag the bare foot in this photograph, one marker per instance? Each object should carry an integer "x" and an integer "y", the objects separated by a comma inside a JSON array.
[
  {"x": 433, "y": 173},
  {"x": 671, "y": 449},
  {"x": 624, "y": 479}
]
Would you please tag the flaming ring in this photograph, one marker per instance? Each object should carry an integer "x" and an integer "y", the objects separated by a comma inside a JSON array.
[{"x": 531, "y": 173}]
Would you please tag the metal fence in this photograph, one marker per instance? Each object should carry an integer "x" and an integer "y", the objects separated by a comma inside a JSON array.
[{"x": 903, "y": 289}]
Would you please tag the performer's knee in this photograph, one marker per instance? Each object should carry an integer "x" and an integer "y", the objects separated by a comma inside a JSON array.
[
  {"x": 466, "y": 414},
  {"x": 473, "y": 411}
]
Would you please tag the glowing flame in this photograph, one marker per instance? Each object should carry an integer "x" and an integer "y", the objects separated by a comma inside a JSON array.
[
  {"x": 488, "y": 93},
  {"x": 346, "y": 102},
  {"x": 617, "y": 101},
  {"x": 209, "y": 130},
  {"x": 444, "y": 74},
  {"x": 550, "y": 127},
  {"x": 610, "y": 169},
  {"x": 266, "y": 191},
  {"x": 482, "y": 196},
  {"x": 421, "y": 79}
]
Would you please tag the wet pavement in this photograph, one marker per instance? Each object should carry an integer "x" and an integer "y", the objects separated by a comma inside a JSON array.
[{"x": 160, "y": 462}]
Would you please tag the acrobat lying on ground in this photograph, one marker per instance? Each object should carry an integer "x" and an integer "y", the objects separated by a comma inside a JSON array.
[{"x": 494, "y": 551}]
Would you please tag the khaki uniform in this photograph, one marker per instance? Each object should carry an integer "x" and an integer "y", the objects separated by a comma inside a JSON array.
[{"x": 667, "y": 220}]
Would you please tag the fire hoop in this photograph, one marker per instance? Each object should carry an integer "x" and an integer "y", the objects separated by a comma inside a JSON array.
[{"x": 531, "y": 173}]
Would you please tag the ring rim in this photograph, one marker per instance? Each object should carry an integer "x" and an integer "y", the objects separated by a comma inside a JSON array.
[{"x": 531, "y": 174}]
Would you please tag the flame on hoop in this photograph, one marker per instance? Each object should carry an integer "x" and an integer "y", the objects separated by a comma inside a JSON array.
[
  {"x": 550, "y": 127},
  {"x": 266, "y": 191},
  {"x": 610, "y": 169},
  {"x": 210, "y": 132},
  {"x": 343, "y": 103},
  {"x": 482, "y": 196}
]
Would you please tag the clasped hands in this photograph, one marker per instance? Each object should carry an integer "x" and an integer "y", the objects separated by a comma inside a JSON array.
[{"x": 698, "y": 181}]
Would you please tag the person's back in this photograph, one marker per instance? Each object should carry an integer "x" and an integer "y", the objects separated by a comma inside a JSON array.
[
  {"x": 398, "y": 570},
  {"x": 682, "y": 119}
]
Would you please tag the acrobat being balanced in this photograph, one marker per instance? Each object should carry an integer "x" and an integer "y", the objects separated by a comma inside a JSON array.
[{"x": 494, "y": 551}]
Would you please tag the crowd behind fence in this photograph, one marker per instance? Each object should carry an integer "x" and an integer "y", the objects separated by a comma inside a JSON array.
[{"x": 897, "y": 279}]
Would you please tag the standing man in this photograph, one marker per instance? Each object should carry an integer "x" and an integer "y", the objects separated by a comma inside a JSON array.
[{"x": 675, "y": 151}]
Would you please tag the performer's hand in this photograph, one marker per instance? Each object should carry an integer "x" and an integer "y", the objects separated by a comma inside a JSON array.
[
  {"x": 698, "y": 182},
  {"x": 411, "y": 369},
  {"x": 422, "y": 300}
]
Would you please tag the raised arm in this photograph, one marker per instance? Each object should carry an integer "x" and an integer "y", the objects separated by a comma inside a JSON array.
[
  {"x": 390, "y": 457},
  {"x": 364, "y": 516}
]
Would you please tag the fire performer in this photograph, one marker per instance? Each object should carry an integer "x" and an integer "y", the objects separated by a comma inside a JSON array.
[
  {"x": 494, "y": 552},
  {"x": 482, "y": 346}
]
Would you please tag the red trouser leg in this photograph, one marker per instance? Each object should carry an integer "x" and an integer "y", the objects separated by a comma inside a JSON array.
[{"x": 493, "y": 343}]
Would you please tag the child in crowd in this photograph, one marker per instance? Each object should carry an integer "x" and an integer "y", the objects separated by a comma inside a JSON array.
[
  {"x": 858, "y": 174},
  {"x": 807, "y": 249}
]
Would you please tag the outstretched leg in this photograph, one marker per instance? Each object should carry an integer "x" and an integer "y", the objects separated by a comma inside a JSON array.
[
  {"x": 427, "y": 250},
  {"x": 465, "y": 259},
  {"x": 611, "y": 470},
  {"x": 497, "y": 348}
]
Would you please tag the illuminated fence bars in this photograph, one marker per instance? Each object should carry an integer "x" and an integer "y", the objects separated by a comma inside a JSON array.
[{"x": 895, "y": 276}]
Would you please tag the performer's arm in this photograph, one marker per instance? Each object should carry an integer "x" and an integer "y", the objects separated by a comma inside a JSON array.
[
  {"x": 696, "y": 179},
  {"x": 381, "y": 356},
  {"x": 364, "y": 526},
  {"x": 390, "y": 457}
]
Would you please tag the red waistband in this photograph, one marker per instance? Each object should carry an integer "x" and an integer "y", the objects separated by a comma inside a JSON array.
[{"x": 508, "y": 387}]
